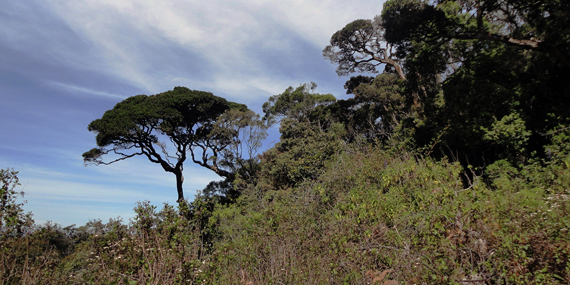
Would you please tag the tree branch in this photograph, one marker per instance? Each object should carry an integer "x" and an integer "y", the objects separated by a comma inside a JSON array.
[{"x": 125, "y": 156}]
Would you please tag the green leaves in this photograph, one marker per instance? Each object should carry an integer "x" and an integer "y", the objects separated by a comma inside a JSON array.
[
  {"x": 296, "y": 103},
  {"x": 187, "y": 118},
  {"x": 173, "y": 113},
  {"x": 353, "y": 31},
  {"x": 408, "y": 20},
  {"x": 13, "y": 221},
  {"x": 510, "y": 132},
  {"x": 360, "y": 47},
  {"x": 464, "y": 66}
]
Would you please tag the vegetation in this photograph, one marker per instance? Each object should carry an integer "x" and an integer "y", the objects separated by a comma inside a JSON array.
[
  {"x": 193, "y": 121},
  {"x": 452, "y": 166},
  {"x": 481, "y": 80}
]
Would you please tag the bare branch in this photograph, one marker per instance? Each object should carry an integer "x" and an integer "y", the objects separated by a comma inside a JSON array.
[{"x": 98, "y": 162}]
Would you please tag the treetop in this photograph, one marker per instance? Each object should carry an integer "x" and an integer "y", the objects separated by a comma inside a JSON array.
[{"x": 168, "y": 112}]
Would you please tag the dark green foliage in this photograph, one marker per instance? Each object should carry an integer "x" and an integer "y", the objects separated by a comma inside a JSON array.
[
  {"x": 379, "y": 108},
  {"x": 13, "y": 221},
  {"x": 359, "y": 47},
  {"x": 365, "y": 213},
  {"x": 309, "y": 136},
  {"x": 481, "y": 81},
  {"x": 369, "y": 211},
  {"x": 354, "y": 81},
  {"x": 296, "y": 104},
  {"x": 411, "y": 19},
  {"x": 300, "y": 156},
  {"x": 61, "y": 240},
  {"x": 346, "y": 40},
  {"x": 182, "y": 114},
  {"x": 191, "y": 120}
]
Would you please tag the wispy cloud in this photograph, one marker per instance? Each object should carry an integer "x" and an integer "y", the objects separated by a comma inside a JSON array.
[
  {"x": 82, "y": 90},
  {"x": 223, "y": 38}
]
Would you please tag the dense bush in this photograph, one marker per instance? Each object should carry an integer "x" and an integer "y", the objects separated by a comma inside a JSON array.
[
  {"x": 367, "y": 214},
  {"x": 410, "y": 216}
]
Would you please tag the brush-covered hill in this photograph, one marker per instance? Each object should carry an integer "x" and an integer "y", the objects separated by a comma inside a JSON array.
[{"x": 451, "y": 165}]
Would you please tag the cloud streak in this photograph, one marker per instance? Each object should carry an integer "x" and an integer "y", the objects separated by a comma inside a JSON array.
[
  {"x": 222, "y": 39},
  {"x": 78, "y": 89}
]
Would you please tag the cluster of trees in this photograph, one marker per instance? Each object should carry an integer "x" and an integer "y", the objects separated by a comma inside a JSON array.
[
  {"x": 481, "y": 80},
  {"x": 477, "y": 80}
]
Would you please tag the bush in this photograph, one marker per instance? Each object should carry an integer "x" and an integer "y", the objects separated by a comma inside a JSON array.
[
  {"x": 408, "y": 217},
  {"x": 13, "y": 220}
]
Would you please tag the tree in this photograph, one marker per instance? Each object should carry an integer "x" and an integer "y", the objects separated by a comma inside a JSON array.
[
  {"x": 472, "y": 72},
  {"x": 195, "y": 122},
  {"x": 541, "y": 26},
  {"x": 378, "y": 107},
  {"x": 309, "y": 136},
  {"x": 13, "y": 221},
  {"x": 246, "y": 132},
  {"x": 297, "y": 105},
  {"x": 360, "y": 47}
]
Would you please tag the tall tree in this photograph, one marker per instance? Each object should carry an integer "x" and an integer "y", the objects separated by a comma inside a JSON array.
[
  {"x": 482, "y": 78},
  {"x": 309, "y": 136},
  {"x": 194, "y": 122},
  {"x": 360, "y": 47}
]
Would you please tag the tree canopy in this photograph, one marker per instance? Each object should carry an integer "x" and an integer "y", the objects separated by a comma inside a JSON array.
[
  {"x": 481, "y": 80},
  {"x": 195, "y": 122}
]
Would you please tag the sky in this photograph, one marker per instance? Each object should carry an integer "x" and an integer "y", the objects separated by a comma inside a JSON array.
[{"x": 63, "y": 63}]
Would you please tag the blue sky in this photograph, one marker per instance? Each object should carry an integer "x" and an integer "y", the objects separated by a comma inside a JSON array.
[{"x": 63, "y": 63}]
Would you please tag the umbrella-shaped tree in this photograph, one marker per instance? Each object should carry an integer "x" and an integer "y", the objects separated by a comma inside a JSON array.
[{"x": 189, "y": 119}]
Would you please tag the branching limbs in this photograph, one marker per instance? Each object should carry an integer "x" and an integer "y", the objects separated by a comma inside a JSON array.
[
  {"x": 143, "y": 140},
  {"x": 186, "y": 117},
  {"x": 360, "y": 47},
  {"x": 519, "y": 23},
  {"x": 94, "y": 156},
  {"x": 222, "y": 150}
]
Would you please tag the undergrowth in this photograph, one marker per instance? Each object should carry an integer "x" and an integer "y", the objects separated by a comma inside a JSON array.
[{"x": 366, "y": 217}]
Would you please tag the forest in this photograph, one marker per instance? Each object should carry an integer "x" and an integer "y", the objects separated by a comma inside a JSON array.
[{"x": 448, "y": 164}]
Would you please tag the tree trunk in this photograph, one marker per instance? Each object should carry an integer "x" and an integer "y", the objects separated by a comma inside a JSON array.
[{"x": 179, "y": 181}]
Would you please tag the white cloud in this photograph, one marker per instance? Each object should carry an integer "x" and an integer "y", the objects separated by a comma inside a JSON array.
[
  {"x": 247, "y": 86},
  {"x": 223, "y": 33},
  {"x": 78, "y": 89},
  {"x": 316, "y": 21}
]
